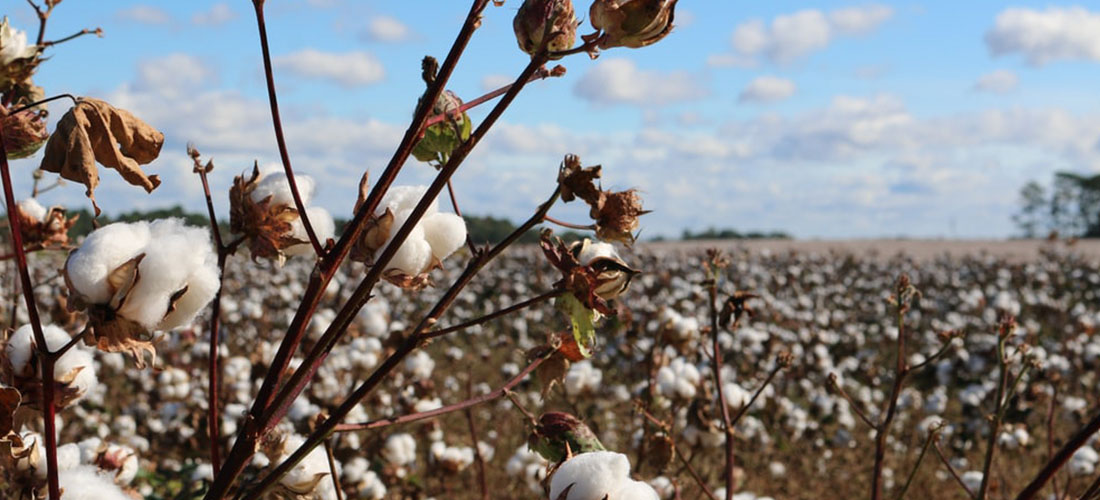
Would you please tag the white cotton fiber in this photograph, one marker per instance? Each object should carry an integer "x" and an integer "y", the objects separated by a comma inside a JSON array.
[
  {"x": 445, "y": 233},
  {"x": 402, "y": 198},
  {"x": 592, "y": 250},
  {"x": 273, "y": 183},
  {"x": 415, "y": 254},
  {"x": 102, "y": 251},
  {"x": 323, "y": 226},
  {"x": 400, "y": 449},
  {"x": 178, "y": 256},
  {"x": 21, "y": 345},
  {"x": 599, "y": 475},
  {"x": 85, "y": 482},
  {"x": 33, "y": 209}
]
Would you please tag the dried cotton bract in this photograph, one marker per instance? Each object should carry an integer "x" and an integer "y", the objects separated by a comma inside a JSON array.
[
  {"x": 137, "y": 278},
  {"x": 74, "y": 371},
  {"x": 261, "y": 208},
  {"x": 40, "y": 226},
  {"x": 631, "y": 23}
]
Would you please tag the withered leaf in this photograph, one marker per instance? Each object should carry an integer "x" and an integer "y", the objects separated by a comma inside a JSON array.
[
  {"x": 92, "y": 131},
  {"x": 9, "y": 401},
  {"x": 577, "y": 181}
]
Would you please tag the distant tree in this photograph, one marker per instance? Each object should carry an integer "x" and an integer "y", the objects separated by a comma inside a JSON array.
[{"x": 1032, "y": 217}]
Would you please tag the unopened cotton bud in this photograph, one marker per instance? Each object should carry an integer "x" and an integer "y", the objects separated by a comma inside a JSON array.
[
  {"x": 631, "y": 23},
  {"x": 537, "y": 19}
]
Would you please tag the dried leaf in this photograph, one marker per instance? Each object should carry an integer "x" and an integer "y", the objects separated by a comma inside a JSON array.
[
  {"x": 94, "y": 131},
  {"x": 268, "y": 227},
  {"x": 110, "y": 332},
  {"x": 577, "y": 181},
  {"x": 24, "y": 132},
  {"x": 552, "y": 371}
]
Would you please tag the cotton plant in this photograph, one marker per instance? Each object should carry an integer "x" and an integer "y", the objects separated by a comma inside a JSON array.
[
  {"x": 137, "y": 278},
  {"x": 74, "y": 372},
  {"x": 435, "y": 236},
  {"x": 262, "y": 210}
]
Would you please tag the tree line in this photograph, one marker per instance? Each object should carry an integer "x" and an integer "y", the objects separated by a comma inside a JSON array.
[{"x": 1069, "y": 207}]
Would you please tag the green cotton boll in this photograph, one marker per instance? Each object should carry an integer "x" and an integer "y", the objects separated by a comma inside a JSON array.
[
  {"x": 583, "y": 321},
  {"x": 441, "y": 139}
]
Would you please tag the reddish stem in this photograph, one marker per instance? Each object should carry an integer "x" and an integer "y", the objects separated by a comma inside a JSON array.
[
  {"x": 480, "y": 460},
  {"x": 1059, "y": 459},
  {"x": 727, "y": 424},
  {"x": 212, "y": 420},
  {"x": 46, "y": 359},
  {"x": 495, "y": 314},
  {"x": 569, "y": 225}
]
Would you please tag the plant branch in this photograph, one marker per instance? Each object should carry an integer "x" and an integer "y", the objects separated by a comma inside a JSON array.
[
  {"x": 950, "y": 469},
  {"x": 493, "y": 95},
  {"x": 332, "y": 470},
  {"x": 744, "y": 409},
  {"x": 569, "y": 225},
  {"x": 851, "y": 402},
  {"x": 932, "y": 436},
  {"x": 212, "y": 419},
  {"x": 998, "y": 413},
  {"x": 495, "y": 314},
  {"x": 44, "y": 101},
  {"x": 78, "y": 34}
]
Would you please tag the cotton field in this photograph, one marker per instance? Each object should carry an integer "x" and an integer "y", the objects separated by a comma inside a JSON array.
[{"x": 647, "y": 394}]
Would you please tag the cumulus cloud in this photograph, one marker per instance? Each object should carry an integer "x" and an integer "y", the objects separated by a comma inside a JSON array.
[
  {"x": 217, "y": 15},
  {"x": 620, "y": 81},
  {"x": 767, "y": 89},
  {"x": 1001, "y": 81},
  {"x": 387, "y": 29},
  {"x": 145, "y": 14},
  {"x": 348, "y": 69},
  {"x": 495, "y": 81},
  {"x": 1057, "y": 33},
  {"x": 793, "y": 36},
  {"x": 172, "y": 74}
]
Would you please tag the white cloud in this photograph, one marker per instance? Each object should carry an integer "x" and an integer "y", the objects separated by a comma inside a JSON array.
[
  {"x": 387, "y": 29},
  {"x": 619, "y": 81},
  {"x": 1001, "y": 81},
  {"x": 793, "y": 36},
  {"x": 217, "y": 15},
  {"x": 174, "y": 73},
  {"x": 767, "y": 89},
  {"x": 495, "y": 81},
  {"x": 348, "y": 69},
  {"x": 145, "y": 14},
  {"x": 1057, "y": 33}
]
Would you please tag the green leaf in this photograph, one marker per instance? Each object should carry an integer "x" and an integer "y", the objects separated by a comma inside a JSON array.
[{"x": 583, "y": 320}]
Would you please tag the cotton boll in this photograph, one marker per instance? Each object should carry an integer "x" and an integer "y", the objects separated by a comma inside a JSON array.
[
  {"x": 736, "y": 396},
  {"x": 86, "y": 483},
  {"x": 178, "y": 257},
  {"x": 972, "y": 479},
  {"x": 68, "y": 457},
  {"x": 273, "y": 183},
  {"x": 445, "y": 233},
  {"x": 400, "y": 449},
  {"x": 598, "y": 475},
  {"x": 102, "y": 252},
  {"x": 21, "y": 347},
  {"x": 419, "y": 365},
  {"x": 33, "y": 209}
]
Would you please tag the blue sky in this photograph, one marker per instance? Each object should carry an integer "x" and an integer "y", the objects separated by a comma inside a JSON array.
[{"x": 822, "y": 119}]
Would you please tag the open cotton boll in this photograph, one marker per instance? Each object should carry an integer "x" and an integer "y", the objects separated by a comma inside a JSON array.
[
  {"x": 21, "y": 346},
  {"x": 32, "y": 208},
  {"x": 445, "y": 233},
  {"x": 85, "y": 482},
  {"x": 102, "y": 252},
  {"x": 598, "y": 475},
  {"x": 400, "y": 449},
  {"x": 273, "y": 183},
  {"x": 178, "y": 256}
]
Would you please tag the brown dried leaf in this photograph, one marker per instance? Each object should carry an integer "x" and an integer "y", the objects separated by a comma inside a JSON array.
[
  {"x": 268, "y": 227},
  {"x": 92, "y": 131},
  {"x": 110, "y": 332},
  {"x": 552, "y": 371}
]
